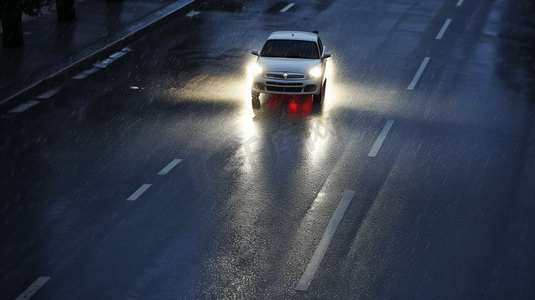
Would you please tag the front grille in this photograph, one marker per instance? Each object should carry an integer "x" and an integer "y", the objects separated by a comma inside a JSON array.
[
  {"x": 280, "y": 75},
  {"x": 283, "y": 89},
  {"x": 272, "y": 75},
  {"x": 284, "y": 83},
  {"x": 296, "y": 76}
]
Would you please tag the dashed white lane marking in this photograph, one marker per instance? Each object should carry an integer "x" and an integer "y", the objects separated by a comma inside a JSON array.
[
  {"x": 48, "y": 94},
  {"x": 85, "y": 73},
  {"x": 314, "y": 263},
  {"x": 103, "y": 63},
  {"x": 287, "y": 7},
  {"x": 379, "y": 142},
  {"x": 91, "y": 71},
  {"x": 80, "y": 76},
  {"x": 418, "y": 73},
  {"x": 36, "y": 285},
  {"x": 24, "y": 106},
  {"x": 116, "y": 55},
  {"x": 170, "y": 166},
  {"x": 192, "y": 14},
  {"x": 460, "y": 3},
  {"x": 444, "y": 27},
  {"x": 139, "y": 191}
]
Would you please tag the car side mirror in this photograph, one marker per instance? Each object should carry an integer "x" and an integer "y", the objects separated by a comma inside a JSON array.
[
  {"x": 326, "y": 55},
  {"x": 254, "y": 52}
]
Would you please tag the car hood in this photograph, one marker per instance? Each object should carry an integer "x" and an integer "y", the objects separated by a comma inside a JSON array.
[{"x": 290, "y": 65}]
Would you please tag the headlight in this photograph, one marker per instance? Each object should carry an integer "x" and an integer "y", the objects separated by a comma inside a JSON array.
[
  {"x": 315, "y": 72},
  {"x": 255, "y": 69}
]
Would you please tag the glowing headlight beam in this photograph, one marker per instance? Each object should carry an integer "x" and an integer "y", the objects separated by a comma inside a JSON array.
[
  {"x": 255, "y": 69},
  {"x": 315, "y": 72}
]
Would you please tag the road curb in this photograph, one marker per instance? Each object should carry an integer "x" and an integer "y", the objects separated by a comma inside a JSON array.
[{"x": 98, "y": 49}]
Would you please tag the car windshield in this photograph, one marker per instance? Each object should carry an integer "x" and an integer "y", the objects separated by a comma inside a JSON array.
[{"x": 290, "y": 49}]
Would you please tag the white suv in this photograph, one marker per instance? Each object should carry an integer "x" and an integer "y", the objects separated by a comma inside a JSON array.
[{"x": 290, "y": 62}]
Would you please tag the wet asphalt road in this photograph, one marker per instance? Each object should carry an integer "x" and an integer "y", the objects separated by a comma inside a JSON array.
[{"x": 442, "y": 210}]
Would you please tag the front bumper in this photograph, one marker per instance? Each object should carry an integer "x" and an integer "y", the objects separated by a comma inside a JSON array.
[{"x": 286, "y": 86}]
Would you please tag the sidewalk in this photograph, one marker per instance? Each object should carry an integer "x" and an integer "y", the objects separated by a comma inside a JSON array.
[{"x": 52, "y": 47}]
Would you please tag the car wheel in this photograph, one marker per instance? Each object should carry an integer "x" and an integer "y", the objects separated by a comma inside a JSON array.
[
  {"x": 319, "y": 97},
  {"x": 255, "y": 99}
]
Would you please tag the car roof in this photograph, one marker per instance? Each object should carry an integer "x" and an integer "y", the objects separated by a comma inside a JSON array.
[{"x": 294, "y": 35}]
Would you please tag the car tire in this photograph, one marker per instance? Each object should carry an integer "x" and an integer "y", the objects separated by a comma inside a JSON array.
[
  {"x": 319, "y": 97},
  {"x": 255, "y": 99}
]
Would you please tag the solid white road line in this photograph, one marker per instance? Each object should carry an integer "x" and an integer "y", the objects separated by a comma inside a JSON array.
[
  {"x": 328, "y": 235},
  {"x": 287, "y": 7},
  {"x": 36, "y": 285},
  {"x": 460, "y": 3},
  {"x": 377, "y": 145},
  {"x": 48, "y": 94},
  {"x": 444, "y": 27},
  {"x": 139, "y": 191},
  {"x": 24, "y": 106},
  {"x": 170, "y": 166},
  {"x": 418, "y": 73}
]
